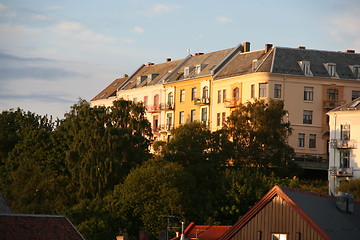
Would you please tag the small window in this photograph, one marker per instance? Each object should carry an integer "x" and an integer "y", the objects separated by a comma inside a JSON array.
[
  {"x": 263, "y": 90},
  {"x": 345, "y": 132},
  {"x": 169, "y": 121},
  {"x": 193, "y": 115},
  {"x": 146, "y": 100},
  {"x": 344, "y": 159},
  {"x": 252, "y": 90},
  {"x": 205, "y": 92},
  {"x": 331, "y": 68},
  {"x": 193, "y": 94},
  {"x": 170, "y": 98},
  {"x": 301, "y": 140},
  {"x": 307, "y": 117},
  {"x": 312, "y": 141},
  {"x": 356, "y": 70},
  {"x": 308, "y": 93},
  {"x": 156, "y": 100},
  {"x": 279, "y": 236},
  {"x": 224, "y": 95},
  {"x": 198, "y": 69},
  {"x": 236, "y": 93},
  {"x": 219, "y": 97},
  {"x": 182, "y": 117},
  {"x": 102, "y": 95},
  {"x": 277, "y": 91},
  {"x": 332, "y": 95},
  {"x": 204, "y": 115},
  {"x": 218, "y": 119},
  {"x": 182, "y": 95},
  {"x": 223, "y": 117},
  {"x": 355, "y": 94},
  {"x": 186, "y": 72},
  {"x": 305, "y": 66}
]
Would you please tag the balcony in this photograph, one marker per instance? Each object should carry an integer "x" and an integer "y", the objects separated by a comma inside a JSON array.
[
  {"x": 232, "y": 103},
  {"x": 202, "y": 101},
  {"x": 166, "y": 127},
  {"x": 343, "y": 144},
  {"x": 154, "y": 109},
  {"x": 341, "y": 172},
  {"x": 312, "y": 161},
  {"x": 169, "y": 106},
  {"x": 330, "y": 104}
]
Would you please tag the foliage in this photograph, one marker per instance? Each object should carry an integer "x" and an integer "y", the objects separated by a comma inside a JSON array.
[
  {"x": 259, "y": 135},
  {"x": 351, "y": 186}
]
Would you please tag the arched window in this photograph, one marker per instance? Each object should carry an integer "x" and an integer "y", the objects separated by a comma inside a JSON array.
[
  {"x": 236, "y": 93},
  {"x": 205, "y": 92},
  {"x": 156, "y": 100},
  {"x": 170, "y": 98},
  {"x": 332, "y": 95}
]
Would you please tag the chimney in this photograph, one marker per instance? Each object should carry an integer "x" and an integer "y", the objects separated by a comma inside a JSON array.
[
  {"x": 125, "y": 75},
  {"x": 168, "y": 60},
  {"x": 350, "y": 51},
  {"x": 149, "y": 64},
  {"x": 199, "y": 53},
  {"x": 268, "y": 47},
  {"x": 301, "y": 47},
  {"x": 345, "y": 202},
  {"x": 246, "y": 47}
]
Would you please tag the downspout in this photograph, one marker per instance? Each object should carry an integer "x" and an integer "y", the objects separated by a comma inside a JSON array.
[{"x": 334, "y": 157}]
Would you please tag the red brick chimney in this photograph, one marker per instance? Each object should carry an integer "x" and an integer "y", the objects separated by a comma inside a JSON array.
[{"x": 246, "y": 47}]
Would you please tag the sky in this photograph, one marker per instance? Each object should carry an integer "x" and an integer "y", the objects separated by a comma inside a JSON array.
[{"x": 54, "y": 52}]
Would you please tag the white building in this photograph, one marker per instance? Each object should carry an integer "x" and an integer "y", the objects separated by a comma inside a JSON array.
[{"x": 344, "y": 153}]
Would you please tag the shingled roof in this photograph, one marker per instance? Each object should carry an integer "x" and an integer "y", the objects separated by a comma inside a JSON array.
[
  {"x": 350, "y": 106},
  {"x": 318, "y": 210},
  {"x": 110, "y": 91},
  {"x": 39, "y": 227}
]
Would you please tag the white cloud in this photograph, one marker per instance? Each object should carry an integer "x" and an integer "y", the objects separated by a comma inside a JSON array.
[
  {"x": 221, "y": 19},
  {"x": 160, "y": 9},
  {"x": 68, "y": 26},
  {"x": 2, "y": 7},
  {"x": 138, "y": 30},
  {"x": 40, "y": 17},
  {"x": 55, "y": 7},
  {"x": 11, "y": 31}
]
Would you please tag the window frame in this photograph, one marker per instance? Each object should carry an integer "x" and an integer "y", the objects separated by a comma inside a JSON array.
[
  {"x": 236, "y": 94},
  {"x": 193, "y": 94},
  {"x": 263, "y": 90},
  {"x": 344, "y": 159},
  {"x": 193, "y": 115},
  {"x": 182, "y": 95},
  {"x": 204, "y": 115},
  {"x": 307, "y": 116},
  {"x": 308, "y": 93},
  {"x": 301, "y": 140},
  {"x": 312, "y": 140},
  {"x": 277, "y": 90},
  {"x": 252, "y": 91},
  {"x": 181, "y": 117}
]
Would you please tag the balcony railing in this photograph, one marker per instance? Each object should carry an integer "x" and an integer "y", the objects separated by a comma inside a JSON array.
[
  {"x": 312, "y": 161},
  {"x": 166, "y": 127},
  {"x": 154, "y": 108},
  {"x": 169, "y": 106},
  {"x": 232, "y": 103},
  {"x": 202, "y": 101},
  {"x": 341, "y": 172},
  {"x": 334, "y": 143},
  {"x": 332, "y": 104}
]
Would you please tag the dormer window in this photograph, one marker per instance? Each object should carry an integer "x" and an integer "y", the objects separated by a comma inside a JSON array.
[
  {"x": 140, "y": 79},
  {"x": 186, "y": 72},
  {"x": 331, "y": 68},
  {"x": 198, "y": 69},
  {"x": 151, "y": 77},
  {"x": 255, "y": 65},
  {"x": 356, "y": 70},
  {"x": 305, "y": 66}
]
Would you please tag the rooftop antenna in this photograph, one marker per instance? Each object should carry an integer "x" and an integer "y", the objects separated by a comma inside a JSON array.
[{"x": 189, "y": 51}]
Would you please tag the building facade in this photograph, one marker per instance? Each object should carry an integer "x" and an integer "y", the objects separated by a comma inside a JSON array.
[{"x": 344, "y": 160}]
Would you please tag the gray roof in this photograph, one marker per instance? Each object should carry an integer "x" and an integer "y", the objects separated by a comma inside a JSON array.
[
  {"x": 323, "y": 211},
  {"x": 110, "y": 91},
  {"x": 286, "y": 61}
]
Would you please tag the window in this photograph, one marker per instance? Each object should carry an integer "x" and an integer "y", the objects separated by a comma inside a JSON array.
[
  {"x": 224, "y": 95},
  {"x": 301, "y": 140},
  {"x": 277, "y": 91},
  {"x": 168, "y": 121},
  {"x": 204, "y": 115},
  {"x": 186, "y": 72},
  {"x": 355, "y": 94},
  {"x": 219, "y": 97},
  {"x": 252, "y": 90},
  {"x": 193, "y": 115},
  {"x": 307, "y": 117},
  {"x": 155, "y": 121},
  {"x": 345, "y": 131},
  {"x": 312, "y": 141},
  {"x": 198, "y": 69},
  {"x": 344, "y": 158},
  {"x": 156, "y": 100},
  {"x": 278, "y": 236},
  {"x": 218, "y": 120},
  {"x": 193, "y": 94},
  {"x": 223, "y": 117},
  {"x": 170, "y": 98},
  {"x": 305, "y": 66},
  {"x": 262, "y": 89},
  {"x": 146, "y": 100},
  {"x": 331, "y": 67},
  {"x": 236, "y": 93},
  {"x": 308, "y": 93},
  {"x": 182, "y": 117},
  {"x": 332, "y": 95},
  {"x": 205, "y": 92},
  {"x": 182, "y": 95},
  {"x": 357, "y": 72}
]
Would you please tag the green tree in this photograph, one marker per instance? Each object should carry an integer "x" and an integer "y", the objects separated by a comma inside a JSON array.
[
  {"x": 104, "y": 144},
  {"x": 259, "y": 135},
  {"x": 149, "y": 193},
  {"x": 352, "y": 186}
]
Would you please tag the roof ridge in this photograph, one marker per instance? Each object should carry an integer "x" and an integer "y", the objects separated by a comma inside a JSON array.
[
  {"x": 315, "y": 50},
  {"x": 31, "y": 215}
]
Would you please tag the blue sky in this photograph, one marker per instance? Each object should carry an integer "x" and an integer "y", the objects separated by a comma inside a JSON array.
[{"x": 54, "y": 52}]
